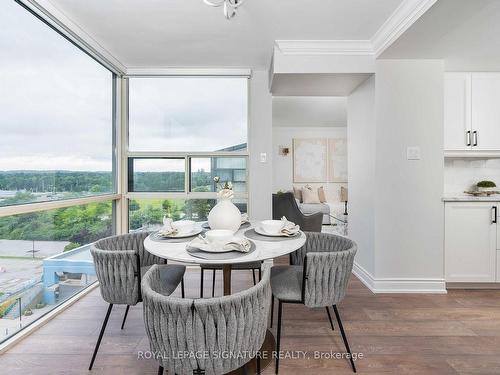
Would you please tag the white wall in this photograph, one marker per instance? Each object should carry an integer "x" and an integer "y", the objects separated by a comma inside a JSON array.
[
  {"x": 396, "y": 213},
  {"x": 283, "y": 165},
  {"x": 321, "y": 63},
  {"x": 361, "y": 170},
  {"x": 260, "y": 141},
  {"x": 408, "y": 208}
]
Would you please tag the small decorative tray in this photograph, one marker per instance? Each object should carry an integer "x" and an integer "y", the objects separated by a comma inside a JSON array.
[{"x": 482, "y": 193}]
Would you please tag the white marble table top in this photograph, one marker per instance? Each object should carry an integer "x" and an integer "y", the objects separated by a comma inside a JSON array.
[{"x": 264, "y": 249}]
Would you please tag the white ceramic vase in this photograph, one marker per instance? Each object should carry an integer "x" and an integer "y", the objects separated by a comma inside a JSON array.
[{"x": 225, "y": 215}]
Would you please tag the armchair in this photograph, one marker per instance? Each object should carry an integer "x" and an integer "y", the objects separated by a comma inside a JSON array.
[{"x": 284, "y": 204}]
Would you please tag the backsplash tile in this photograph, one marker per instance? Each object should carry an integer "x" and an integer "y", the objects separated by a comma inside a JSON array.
[{"x": 463, "y": 174}]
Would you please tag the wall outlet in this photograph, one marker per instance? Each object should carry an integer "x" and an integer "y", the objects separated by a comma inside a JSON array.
[
  {"x": 263, "y": 157},
  {"x": 413, "y": 153}
]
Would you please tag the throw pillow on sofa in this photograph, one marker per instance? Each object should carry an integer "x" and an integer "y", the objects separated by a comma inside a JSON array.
[
  {"x": 310, "y": 195},
  {"x": 297, "y": 192},
  {"x": 321, "y": 194}
]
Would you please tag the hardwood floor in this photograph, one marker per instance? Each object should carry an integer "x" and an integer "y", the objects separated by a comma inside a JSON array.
[{"x": 457, "y": 333}]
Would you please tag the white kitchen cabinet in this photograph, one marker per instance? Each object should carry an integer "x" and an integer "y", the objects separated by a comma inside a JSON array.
[
  {"x": 498, "y": 266},
  {"x": 485, "y": 89},
  {"x": 470, "y": 242},
  {"x": 457, "y": 117},
  {"x": 472, "y": 112}
]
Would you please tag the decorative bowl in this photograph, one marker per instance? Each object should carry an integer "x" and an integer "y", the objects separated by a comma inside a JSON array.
[
  {"x": 183, "y": 226},
  {"x": 272, "y": 226},
  {"x": 219, "y": 237}
]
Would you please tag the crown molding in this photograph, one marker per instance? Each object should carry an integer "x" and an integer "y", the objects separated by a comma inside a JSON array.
[
  {"x": 324, "y": 47},
  {"x": 405, "y": 15}
]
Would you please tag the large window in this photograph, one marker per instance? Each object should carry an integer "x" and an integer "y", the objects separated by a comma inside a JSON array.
[
  {"x": 57, "y": 178},
  {"x": 56, "y": 114},
  {"x": 183, "y": 132}
]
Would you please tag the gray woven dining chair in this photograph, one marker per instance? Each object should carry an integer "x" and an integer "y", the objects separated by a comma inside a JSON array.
[
  {"x": 317, "y": 277},
  {"x": 120, "y": 262},
  {"x": 219, "y": 334},
  {"x": 250, "y": 266}
]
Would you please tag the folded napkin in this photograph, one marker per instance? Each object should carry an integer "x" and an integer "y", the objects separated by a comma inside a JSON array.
[
  {"x": 237, "y": 244},
  {"x": 167, "y": 229},
  {"x": 289, "y": 228},
  {"x": 244, "y": 218}
]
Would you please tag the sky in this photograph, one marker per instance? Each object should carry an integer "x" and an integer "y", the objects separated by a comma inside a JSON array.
[
  {"x": 187, "y": 114},
  {"x": 56, "y": 104}
]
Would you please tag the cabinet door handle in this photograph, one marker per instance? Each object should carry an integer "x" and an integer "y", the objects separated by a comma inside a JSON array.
[
  {"x": 467, "y": 137},
  {"x": 494, "y": 209},
  {"x": 474, "y": 136}
]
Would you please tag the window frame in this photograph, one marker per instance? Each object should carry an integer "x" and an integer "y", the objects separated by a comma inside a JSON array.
[{"x": 187, "y": 194}]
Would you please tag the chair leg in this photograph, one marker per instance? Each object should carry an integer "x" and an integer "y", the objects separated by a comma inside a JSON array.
[
  {"x": 254, "y": 279},
  {"x": 245, "y": 369},
  {"x": 201, "y": 282},
  {"x": 125, "y": 316},
  {"x": 260, "y": 274},
  {"x": 272, "y": 311},
  {"x": 330, "y": 318},
  {"x": 160, "y": 370},
  {"x": 100, "y": 335},
  {"x": 278, "y": 338},
  {"x": 183, "y": 294},
  {"x": 213, "y": 284},
  {"x": 339, "y": 321},
  {"x": 258, "y": 363}
]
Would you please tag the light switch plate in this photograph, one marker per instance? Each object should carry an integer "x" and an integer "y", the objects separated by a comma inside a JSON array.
[
  {"x": 263, "y": 157},
  {"x": 413, "y": 153}
]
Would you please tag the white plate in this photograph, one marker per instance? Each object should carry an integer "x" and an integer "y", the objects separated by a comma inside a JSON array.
[
  {"x": 193, "y": 233},
  {"x": 262, "y": 232}
]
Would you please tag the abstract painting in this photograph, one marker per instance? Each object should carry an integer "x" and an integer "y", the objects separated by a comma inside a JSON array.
[
  {"x": 337, "y": 160},
  {"x": 310, "y": 160}
]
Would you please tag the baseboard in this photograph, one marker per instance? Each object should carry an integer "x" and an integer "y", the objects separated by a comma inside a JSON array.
[
  {"x": 364, "y": 276},
  {"x": 399, "y": 285},
  {"x": 468, "y": 285}
]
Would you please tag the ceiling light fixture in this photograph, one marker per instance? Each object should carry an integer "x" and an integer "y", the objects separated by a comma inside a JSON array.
[{"x": 230, "y": 6}]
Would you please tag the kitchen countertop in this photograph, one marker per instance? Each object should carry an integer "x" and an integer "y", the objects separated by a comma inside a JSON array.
[{"x": 470, "y": 198}]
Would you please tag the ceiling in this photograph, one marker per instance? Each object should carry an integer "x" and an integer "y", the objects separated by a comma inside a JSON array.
[
  {"x": 188, "y": 33},
  {"x": 465, "y": 33},
  {"x": 309, "y": 111}
]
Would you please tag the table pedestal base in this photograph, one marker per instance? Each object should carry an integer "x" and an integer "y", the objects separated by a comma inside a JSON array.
[{"x": 266, "y": 353}]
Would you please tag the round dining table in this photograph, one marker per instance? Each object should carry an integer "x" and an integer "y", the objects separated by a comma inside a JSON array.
[{"x": 265, "y": 248}]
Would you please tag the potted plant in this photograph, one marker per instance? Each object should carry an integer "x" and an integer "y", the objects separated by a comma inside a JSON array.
[{"x": 486, "y": 186}]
